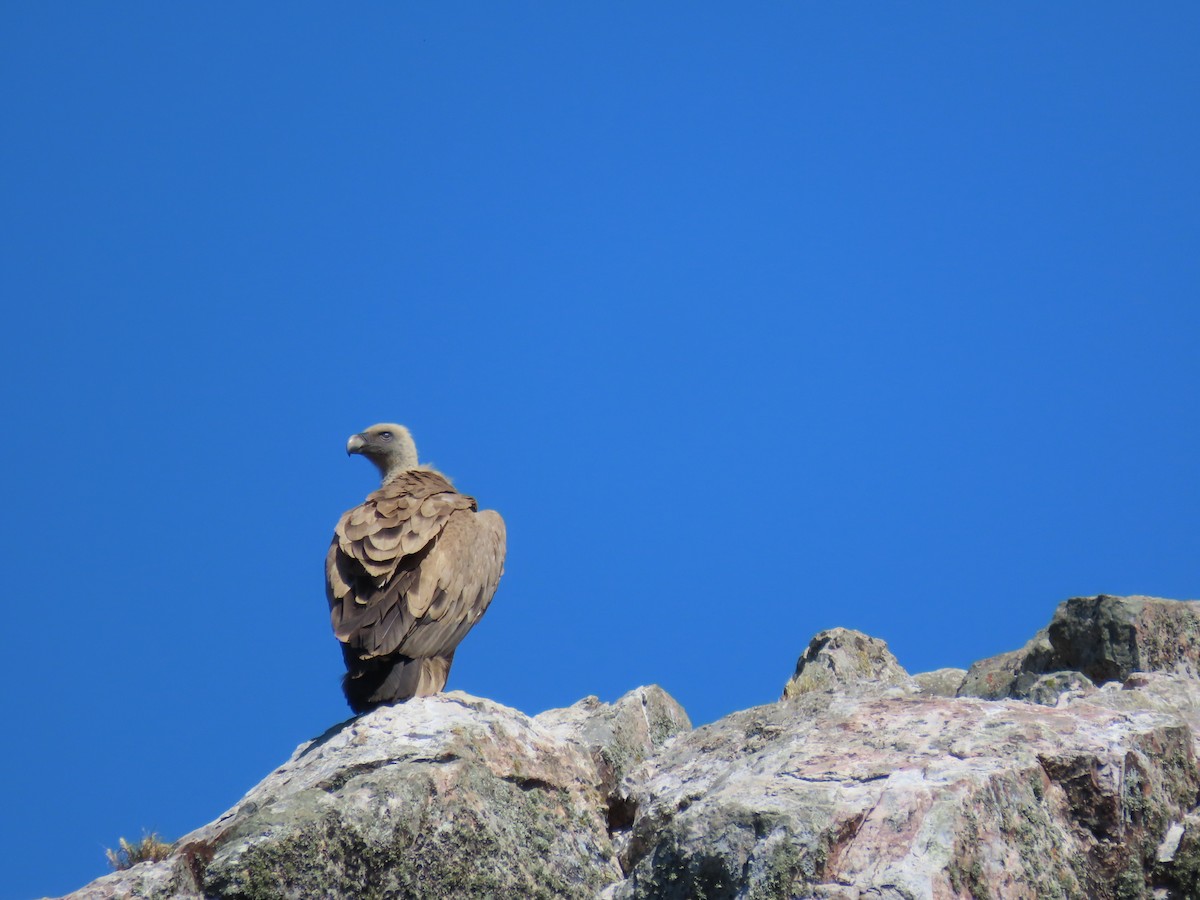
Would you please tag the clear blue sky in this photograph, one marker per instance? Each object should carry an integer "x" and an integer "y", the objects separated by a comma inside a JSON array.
[{"x": 751, "y": 322}]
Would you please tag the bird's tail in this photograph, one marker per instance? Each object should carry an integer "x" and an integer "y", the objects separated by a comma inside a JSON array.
[{"x": 373, "y": 682}]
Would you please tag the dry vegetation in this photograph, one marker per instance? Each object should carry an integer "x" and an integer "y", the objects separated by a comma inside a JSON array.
[{"x": 150, "y": 847}]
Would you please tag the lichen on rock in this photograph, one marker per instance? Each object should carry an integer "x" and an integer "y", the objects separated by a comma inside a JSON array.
[
  {"x": 844, "y": 660},
  {"x": 1065, "y": 769}
]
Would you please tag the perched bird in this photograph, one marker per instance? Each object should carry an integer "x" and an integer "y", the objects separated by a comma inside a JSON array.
[{"x": 409, "y": 572}]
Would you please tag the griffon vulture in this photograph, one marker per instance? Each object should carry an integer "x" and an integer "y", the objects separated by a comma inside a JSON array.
[{"x": 409, "y": 572}]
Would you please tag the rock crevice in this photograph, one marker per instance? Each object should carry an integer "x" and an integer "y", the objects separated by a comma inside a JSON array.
[{"x": 1065, "y": 769}]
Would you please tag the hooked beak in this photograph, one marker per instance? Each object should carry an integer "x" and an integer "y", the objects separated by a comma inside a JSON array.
[{"x": 355, "y": 444}]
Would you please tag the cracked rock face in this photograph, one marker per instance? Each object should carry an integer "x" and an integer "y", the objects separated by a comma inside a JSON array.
[
  {"x": 913, "y": 798},
  {"x": 443, "y": 796},
  {"x": 1076, "y": 779},
  {"x": 1102, "y": 638},
  {"x": 847, "y": 661}
]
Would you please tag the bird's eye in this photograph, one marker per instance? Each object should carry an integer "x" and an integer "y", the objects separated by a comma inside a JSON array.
[{"x": 385, "y": 435}]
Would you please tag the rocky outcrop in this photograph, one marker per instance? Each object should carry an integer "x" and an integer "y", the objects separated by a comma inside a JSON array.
[
  {"x": 1102, "y": 638},
  {"x": 846, "y": 661},
  {"x": 1066, "y": 769},
  {"x": 940, "y": 682},
  {"x": 443, "y": 796},
  {"x": 907, "y": 798}
]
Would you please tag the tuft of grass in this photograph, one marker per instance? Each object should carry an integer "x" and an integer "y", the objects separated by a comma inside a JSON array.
[{"x": 150, "y": 848}]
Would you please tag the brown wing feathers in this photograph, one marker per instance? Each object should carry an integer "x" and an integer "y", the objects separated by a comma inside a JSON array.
[{"x": 408, "y": 573}]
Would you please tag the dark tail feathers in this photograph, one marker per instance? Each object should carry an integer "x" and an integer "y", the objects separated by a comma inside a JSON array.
[{"x": 373, "y": 682}]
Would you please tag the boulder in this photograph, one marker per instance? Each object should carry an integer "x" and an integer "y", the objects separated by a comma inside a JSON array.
[
  {"x": 844, "y": 661},
  {"x": 1075, "y": 778},
  {"x": 443, "y": 796},
  {"x": 1109, "y": 638},
  {"x": 1103, "y": 638},
  {"x": 618, "y": 737},
  {"x": 847, "y": 797},
  {"x": 940, "y": 682},
  {"x": 997, "y": 677}
]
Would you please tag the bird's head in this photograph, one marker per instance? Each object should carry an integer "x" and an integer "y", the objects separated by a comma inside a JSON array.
[{"x": 389, "y": 446}]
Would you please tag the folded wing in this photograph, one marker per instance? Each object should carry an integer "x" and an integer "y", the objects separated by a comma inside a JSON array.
[{"x": 412, "y": 569}]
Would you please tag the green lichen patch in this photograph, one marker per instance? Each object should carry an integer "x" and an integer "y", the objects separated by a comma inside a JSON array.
[{"x": 484, "y": 837}]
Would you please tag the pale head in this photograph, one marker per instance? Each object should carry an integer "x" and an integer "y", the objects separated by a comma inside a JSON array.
[{"x": 388, "y": 445}]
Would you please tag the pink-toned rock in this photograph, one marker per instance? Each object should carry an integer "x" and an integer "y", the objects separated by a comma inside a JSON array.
[
  {"x": 443, "y": 796},
  {"x": 910, "y": 798},
  {"x": 863, "y": 784},
  {"x": 1104, "y": 638},
  {"x": 846, "y": 661},
  {"x": 940, "y": 682},
  {"x": 1109, "y": 638}
]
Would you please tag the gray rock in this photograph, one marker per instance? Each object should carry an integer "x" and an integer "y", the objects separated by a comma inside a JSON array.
[
  {"x": 1109, "y": 638},
  {"x": 1052, "y": 689},
  {"x": 444, "y": 796},
  {"x": 618, "y": 738},
  {"x": 170, "y": 878},
  {"x": 1155, "y": 692},
  {"x": 846, "y": 661},
  {"x": 1178, "y": 859},
  {"x": 1104, "y": 638},
  {"x": 913, "y": 798},
  {"x": 940, "y": 682},
  {"x": 865, "y": 783},
  {"x": 623, "y": 734},
  {"x": 995, "y": 678}
]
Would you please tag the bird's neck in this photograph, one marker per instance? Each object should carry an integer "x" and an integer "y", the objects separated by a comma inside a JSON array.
[
  {"x": 392, "y": 475},
  {"x": 393, "y": 466},
  {"x": 398, "y": 469},
  {"x": 397, "y": 472}
]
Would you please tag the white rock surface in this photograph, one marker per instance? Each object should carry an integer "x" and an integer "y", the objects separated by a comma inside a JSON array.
[
  {"x": 914, "y": 798},
  {"x": 864, "y": 783},
  {"x": 442, "y": 796}
]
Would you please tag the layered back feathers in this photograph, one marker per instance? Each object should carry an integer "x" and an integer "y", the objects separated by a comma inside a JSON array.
[{"x": 409, "y": 572}]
